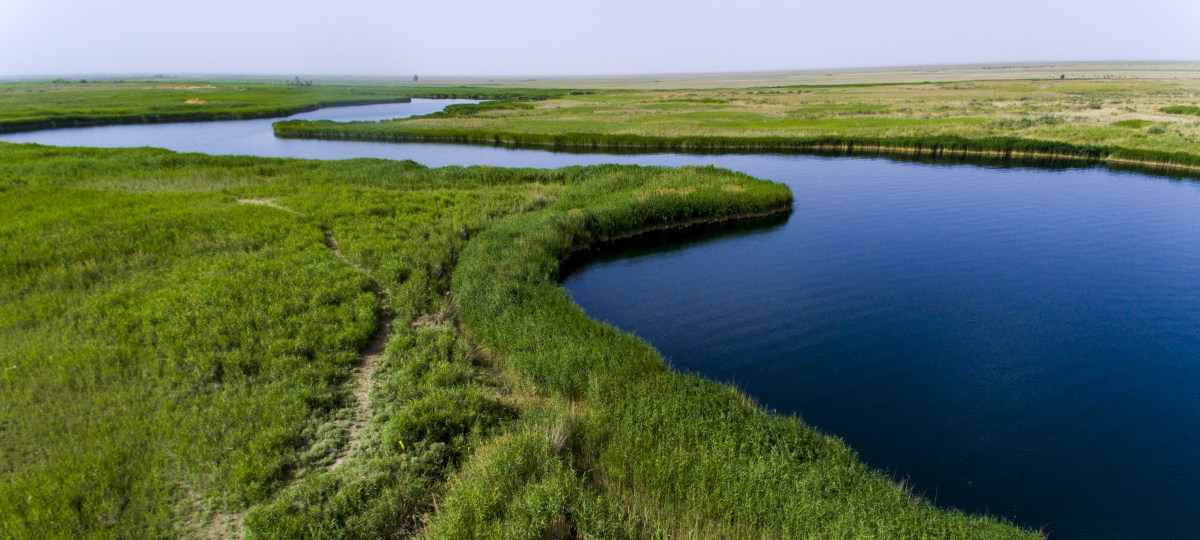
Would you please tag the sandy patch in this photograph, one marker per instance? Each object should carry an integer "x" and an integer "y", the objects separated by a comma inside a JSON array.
[{"x": 270, "y": 203}]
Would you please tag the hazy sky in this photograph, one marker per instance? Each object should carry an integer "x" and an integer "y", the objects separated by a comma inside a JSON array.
[{"x": 564, "y": 37}]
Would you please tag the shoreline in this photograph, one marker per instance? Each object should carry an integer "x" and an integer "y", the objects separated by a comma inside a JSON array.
[
  {"x": 199, "y": 115},
  {"x": 601, "y": 240},
  {"x": 1085, "y": 154}
]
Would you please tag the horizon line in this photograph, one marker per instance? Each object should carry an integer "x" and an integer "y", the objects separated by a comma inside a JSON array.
[{"x": 844, "y": 69}]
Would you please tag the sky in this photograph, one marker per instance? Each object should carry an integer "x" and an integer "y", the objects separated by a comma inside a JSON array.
[{"x": 572, "y": 38}]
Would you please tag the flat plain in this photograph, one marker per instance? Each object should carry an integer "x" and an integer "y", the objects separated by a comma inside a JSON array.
[{"x": 1105, "y": 118}]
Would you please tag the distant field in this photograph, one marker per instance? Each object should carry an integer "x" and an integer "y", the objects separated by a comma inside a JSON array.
[
  {"x": 1133, "y": 119},
  {"x": 911, "y": 74},
  {"x": 29, "y": 105}
]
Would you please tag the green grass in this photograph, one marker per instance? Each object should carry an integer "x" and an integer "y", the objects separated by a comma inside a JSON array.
[
  {"x": 118, "y": 378},
  {"x": 697, "y": 100},
  {"x": 1135, "y": 123},
  {"x": 680, "y": 454},
  {"x": 180, "y": 364},
  {"x": 36, "y": 105},
  {"x": 1182, "y": 109},
  {"x": 195, "y": 351},
  {"x": 461, "y": 110},
  {"x": 1087, "y": 120}
]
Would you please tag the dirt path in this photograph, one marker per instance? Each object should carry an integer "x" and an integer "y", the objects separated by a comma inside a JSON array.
[
  {"x": 370, "y": 355},
  {"x": 205, "y": 524},
  {"x": 267, "y": 202}
]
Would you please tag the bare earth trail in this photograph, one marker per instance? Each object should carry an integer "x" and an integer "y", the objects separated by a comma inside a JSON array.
[
  {"x": 370, "y": 355},
  {"x": 267, "y": 202},
  {"x": 229, "y": 525}
]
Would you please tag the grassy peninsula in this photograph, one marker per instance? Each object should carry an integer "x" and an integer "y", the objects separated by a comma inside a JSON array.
[
  {"x": 216, "y": 346},
  {"x": 1117, "y": 121},
  {"x": 26, "y": 106}
]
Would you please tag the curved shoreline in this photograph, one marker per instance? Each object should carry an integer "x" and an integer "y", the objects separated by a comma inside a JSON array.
[
  {"x": 508, "y": 298},
  {"x": 932, "y": 146},
  {"x": 172, "y": 118},
  {"x": 602, "y": 240},
  {"x": 816, "y": 465}
]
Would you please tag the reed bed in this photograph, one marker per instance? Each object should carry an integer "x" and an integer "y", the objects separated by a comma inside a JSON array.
[
  {"x": 1082, "y": 120},
  {"x": 180, "y": 364}
]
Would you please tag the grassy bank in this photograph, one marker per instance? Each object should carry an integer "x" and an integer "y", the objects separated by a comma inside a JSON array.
[
  {"x": 187, "y": 347},
  {"x": 679, "y": 454},
  {"x": 1095, "y": 120},
  {"x": 173, "y": 357},
  {"x": 26, "y": 106}
]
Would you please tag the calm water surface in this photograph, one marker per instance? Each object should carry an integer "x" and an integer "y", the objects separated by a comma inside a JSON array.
[{"x": 1023, "y": 342}]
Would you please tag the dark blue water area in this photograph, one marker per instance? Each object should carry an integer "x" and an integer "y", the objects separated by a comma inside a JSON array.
[{"x": 1018, "y": 341}]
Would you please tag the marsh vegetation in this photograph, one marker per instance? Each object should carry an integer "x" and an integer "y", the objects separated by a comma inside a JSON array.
[
  {"x": 201, "y": 355},
  {"x": 28, "y": 106},
  {"x": 1086, "y": 120},
  {"x": 181, "y": 362}
]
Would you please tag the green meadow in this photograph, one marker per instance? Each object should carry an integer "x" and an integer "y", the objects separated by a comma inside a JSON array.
[
  {"x": 33, "y": 105},
  {"x": 203, "y": 346},
  {"x": 189, "y": 352},
  {"x": 1114, "y": 120}
]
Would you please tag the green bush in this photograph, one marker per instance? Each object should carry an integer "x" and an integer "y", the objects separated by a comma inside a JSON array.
[{"x": 1135, "y": 123}]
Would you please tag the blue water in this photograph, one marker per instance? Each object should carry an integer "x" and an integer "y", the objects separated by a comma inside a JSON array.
[
  {"x": 1023, "y": 342},
  {"x": 1020, "y": 342}
]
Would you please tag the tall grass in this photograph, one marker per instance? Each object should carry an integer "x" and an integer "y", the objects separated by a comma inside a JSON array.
[
  {"x": 156, "y": 337},
  {"x": 1085, "y": 121},
  {"x": 177, "y": 363},
  {"x": 677, "y": 453},
  {"x": 461, "y": 110},
  {"x": 936, "y": 144},
  {"x": 932, "y": 146},
  {"x": 170, "y": 352}
]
